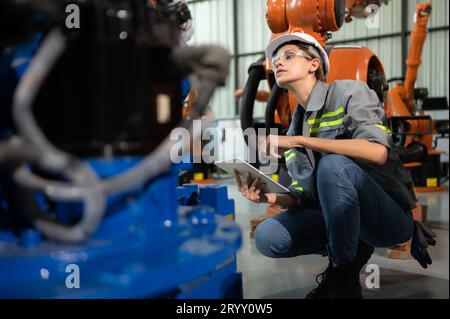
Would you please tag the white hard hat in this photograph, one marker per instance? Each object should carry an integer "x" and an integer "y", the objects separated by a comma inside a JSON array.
[{"x": 304, "y": 38}]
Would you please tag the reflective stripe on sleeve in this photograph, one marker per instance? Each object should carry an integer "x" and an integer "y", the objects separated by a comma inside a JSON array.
[
  {"x": 384, "y": 128},
  {"x": 328, "y": 114},
  {"x": 326, "y": 124}
]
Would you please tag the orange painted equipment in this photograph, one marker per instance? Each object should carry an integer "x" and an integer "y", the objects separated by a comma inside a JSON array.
[
  {"x": 359, "y": 63},
  {"x": 402, "y": 95}
]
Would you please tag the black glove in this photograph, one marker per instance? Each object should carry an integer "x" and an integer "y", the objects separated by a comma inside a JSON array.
[{"x": 421, "y": 239}]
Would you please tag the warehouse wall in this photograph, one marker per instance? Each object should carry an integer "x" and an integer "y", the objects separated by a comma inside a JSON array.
[
  {"x": 215, "y": 20},
  {"x": 214, "y": 24}
]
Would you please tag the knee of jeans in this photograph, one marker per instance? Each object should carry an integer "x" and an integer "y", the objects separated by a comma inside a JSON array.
[
  {"x": 272, "y": 239},
  {"x": 330, "y": 166}
]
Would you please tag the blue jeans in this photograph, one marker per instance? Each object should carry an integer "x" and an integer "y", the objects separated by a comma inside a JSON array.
[{"x": 353, "y": 207}]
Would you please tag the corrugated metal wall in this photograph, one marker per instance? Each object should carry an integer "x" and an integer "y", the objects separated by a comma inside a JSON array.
[{"x": 214, "y": 23}]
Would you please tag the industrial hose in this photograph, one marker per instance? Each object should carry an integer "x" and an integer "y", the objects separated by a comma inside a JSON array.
[
  {"x": 256, "y": 74},
  {"x": 271, "y": 107},
  {"x": 53, "y": 159}
]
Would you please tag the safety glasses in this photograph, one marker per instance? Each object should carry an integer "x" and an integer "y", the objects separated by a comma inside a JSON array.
[{"x": 288, "y": 55}]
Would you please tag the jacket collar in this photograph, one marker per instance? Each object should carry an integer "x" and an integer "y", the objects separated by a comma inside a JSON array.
[{"x": 317, "y": 98}]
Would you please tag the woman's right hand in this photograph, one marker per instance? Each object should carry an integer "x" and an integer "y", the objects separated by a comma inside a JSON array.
[{"x": 250, "y": 189}]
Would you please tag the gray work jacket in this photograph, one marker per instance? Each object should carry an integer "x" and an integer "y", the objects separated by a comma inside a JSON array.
[{"x": 345, "y": 109}]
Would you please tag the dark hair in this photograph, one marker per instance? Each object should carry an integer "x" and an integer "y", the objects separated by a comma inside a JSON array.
[{"x": 320, "y": 76}]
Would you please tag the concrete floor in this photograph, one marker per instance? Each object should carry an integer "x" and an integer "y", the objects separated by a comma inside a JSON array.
[{"x": 264, "y": 277}]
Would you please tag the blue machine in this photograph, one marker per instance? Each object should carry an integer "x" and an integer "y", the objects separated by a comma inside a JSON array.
[{"x": 161, "y": 241}]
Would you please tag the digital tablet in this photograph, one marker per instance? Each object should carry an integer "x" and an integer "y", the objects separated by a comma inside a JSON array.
[{"x": 268, "y": 185}]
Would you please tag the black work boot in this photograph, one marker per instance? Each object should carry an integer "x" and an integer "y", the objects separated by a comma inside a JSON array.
[{"x": 342, "y": 282}]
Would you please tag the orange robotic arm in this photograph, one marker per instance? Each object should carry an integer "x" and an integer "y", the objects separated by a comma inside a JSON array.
[
  {"x": 418, "y": 36},
  {"x": 315, "y": 17},
  {"x": 402, "y": 95}
]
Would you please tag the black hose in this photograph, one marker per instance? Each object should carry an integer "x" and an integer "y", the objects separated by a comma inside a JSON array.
[
  {"x": 256, "y": 74},
  {"x": 271, "y": 107}
]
